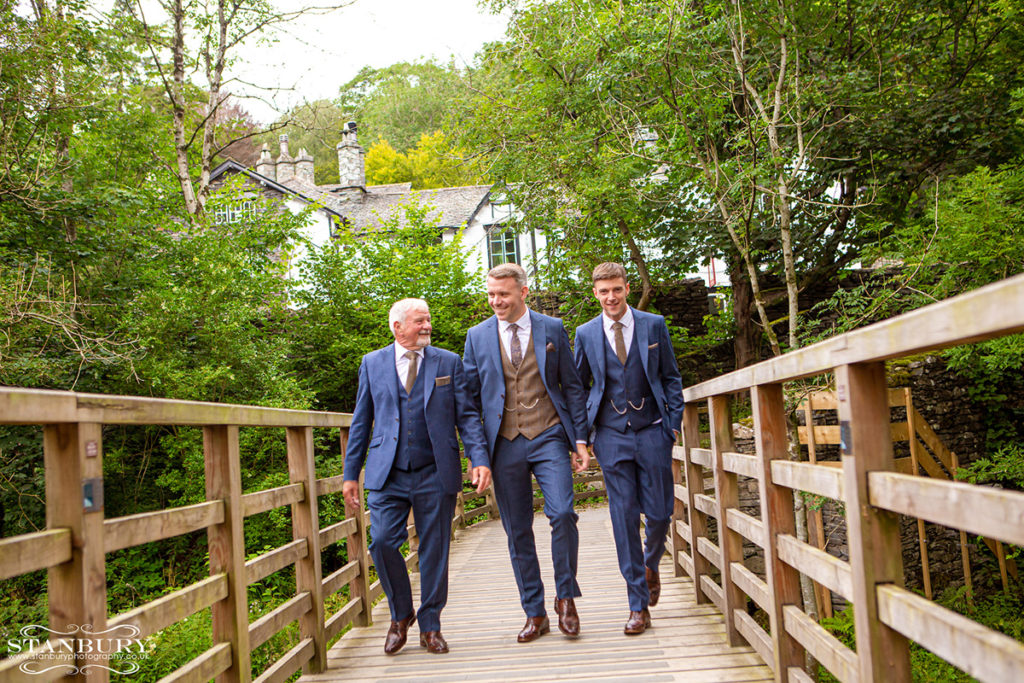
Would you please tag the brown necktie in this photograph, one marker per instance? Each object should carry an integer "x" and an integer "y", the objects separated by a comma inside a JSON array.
[
  {"x": 620, "y": 342},
  {"x": 515, "y": 346},
  {"x": 410, "y": 379}
]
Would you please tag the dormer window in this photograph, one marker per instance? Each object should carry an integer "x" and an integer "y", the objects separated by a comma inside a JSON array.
[{"x": 244, "y": 210}]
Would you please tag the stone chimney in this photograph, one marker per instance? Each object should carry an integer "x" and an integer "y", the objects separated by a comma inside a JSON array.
[
  {"x": 351, "y": 163},
  {"x": 285, "y": 163},
  {"x": 266, "y": 166},
  {"x": 304, "y": 167}
]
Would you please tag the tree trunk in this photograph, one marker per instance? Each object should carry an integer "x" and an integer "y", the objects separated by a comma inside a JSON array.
[
  {"x": 647, "y": 290},
  {"x": 746, "y": 343},
  {"x": 177, "y": 96}
]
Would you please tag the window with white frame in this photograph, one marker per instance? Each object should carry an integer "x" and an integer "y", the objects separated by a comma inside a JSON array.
[{"x": 244, "y": 210}]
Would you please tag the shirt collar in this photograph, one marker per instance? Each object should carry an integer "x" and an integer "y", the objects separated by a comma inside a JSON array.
[
  {"x": 523, "y": 322},
  {"x": 626, "y": 320},
  {"x": 400, "y": 351}
]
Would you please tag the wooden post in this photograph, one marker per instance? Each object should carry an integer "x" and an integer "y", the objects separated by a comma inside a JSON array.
[
  {"x": 922, "y": 538},
  {"x": 226, "y": 542},
  {"x": 306, "y": 525},
  {"x": 359, "y": 551},
  {"x": 965, "y": 556},
  {"x": 414, "y": 543},
  {"x": 815, "y": 522},
  {"x": 694, "y": 486},
  {"x": 678, "y": 513},
  {"x": 876, "y": 554},
  {"x": 778, "y": 517},
  {"x": 727, "y": 496},
  {"x": 77, "y": 589},
  {"x": 459, "y": 521},
  {"x": 492, "y": 502}
]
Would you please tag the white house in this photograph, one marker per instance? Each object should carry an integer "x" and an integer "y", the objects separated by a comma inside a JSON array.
[{"x": 479, "y": 211}]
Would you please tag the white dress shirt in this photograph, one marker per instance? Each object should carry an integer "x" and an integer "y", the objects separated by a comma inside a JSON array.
[
  {"x": 402, "y": 363},
  {"x": 525, "y": 326},
  {"x": 627, "y": 329}
]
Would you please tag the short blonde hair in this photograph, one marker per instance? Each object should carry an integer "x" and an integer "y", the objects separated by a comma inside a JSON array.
[
  {"x": 400, "y": 311},
  {"x": 609, "y": 270},
  {"x": 508, "y": 270}
]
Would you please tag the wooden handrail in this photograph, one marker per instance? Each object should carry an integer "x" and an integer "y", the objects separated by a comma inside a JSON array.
[
  {"x": 992, "y": 311},
  {"x": 74, "y": 545},
  {"x": 868, "y": 483}
]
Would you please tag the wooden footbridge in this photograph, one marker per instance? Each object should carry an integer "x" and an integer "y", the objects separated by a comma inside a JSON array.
[{"x": 719, "y": 619}]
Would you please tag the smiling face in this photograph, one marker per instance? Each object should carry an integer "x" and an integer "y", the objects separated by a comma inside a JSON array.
[
  {"x": 611, "y": 294},
  {"x": 414, "y": 333},
  {"x": 506, "y": 298}
]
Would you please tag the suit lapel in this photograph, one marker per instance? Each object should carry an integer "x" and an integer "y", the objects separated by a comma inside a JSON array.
[
  {"x": 597, "y": 343},
  {"x": 429, "y": 372},
  {"x": 387, "y": 368},
  {"x": 490, "y": 334},
  {"x": 540, "y": 343},
  {"x": 641, "y": 339}
]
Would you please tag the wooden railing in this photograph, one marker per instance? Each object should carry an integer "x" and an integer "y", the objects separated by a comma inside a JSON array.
[
  {"x": 709, "y": 530},
  {"x": 77, "y": 538}
]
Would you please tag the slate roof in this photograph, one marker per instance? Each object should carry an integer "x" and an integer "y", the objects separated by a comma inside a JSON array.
[{"x": 452, "y": 207}]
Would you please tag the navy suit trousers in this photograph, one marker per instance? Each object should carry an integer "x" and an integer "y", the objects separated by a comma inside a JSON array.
[
  {"x": 432, "y": 510},
  {"x": 547, "y": 458},
  {"x": 637, "y": 469}
]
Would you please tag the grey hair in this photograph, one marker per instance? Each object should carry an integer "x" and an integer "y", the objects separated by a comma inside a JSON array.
[
  {"x": 400, "y": 310},
  {"x": 509, "y": 270}
]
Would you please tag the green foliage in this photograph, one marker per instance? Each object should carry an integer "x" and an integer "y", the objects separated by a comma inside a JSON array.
[
  {"x": 354, "y": 281},
  {"x": 972, "y": 235},
  {"x": 433, "y": 163},
  {"x": 402, "y": 102},
  {"x": 1002, "y": 612},
  {"x": 1005, "y": 467}
]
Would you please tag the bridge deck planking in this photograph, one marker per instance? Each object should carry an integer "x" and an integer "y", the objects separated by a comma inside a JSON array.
[{"x": 483, "y": 616}]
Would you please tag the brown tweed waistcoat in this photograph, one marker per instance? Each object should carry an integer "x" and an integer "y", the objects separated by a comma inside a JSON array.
[{"x": 528, "y": 408}]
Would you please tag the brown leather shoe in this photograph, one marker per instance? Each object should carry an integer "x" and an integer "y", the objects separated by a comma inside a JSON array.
[
  {"x": 638, "y": 622},
  {"x": 434, "y": 642},
  {"x": 568, "y": 619},
  {"x": 397, "y": 634},
  {"x": 534, "y": 629},
  {"x": 653, "y": 586}
]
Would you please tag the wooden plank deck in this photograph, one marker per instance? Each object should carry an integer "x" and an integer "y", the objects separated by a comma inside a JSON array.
[{"x": 483, "y": 616}]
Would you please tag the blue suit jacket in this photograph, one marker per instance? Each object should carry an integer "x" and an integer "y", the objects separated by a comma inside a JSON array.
[
  {"x": 656, "y": 355},
  {"x": 554, "y": 358},
  {"x": 373, "y": 435}
]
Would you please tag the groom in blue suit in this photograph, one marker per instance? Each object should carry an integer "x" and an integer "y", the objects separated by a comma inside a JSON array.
[
  {"x": 625, "y": 359},
  {"x": 520, "y": 363},
  {"x": 410, "y": 399}
]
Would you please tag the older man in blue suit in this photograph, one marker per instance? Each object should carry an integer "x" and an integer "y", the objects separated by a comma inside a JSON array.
[
  {"x": 625, "y": 359},
  {"x": 535, "y": 421},
  {"x": 410, "y": 399}
]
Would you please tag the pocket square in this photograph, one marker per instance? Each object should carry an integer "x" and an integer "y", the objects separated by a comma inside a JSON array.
[
  {"x": 441, "y": 381},
  {"x": 550, "y": 347},
  {"x": 653, "y": 346}
]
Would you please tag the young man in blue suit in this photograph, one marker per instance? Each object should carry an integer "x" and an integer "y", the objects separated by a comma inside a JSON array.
[
  {"x": 411, "y": 398},
  {"x": 520, "y": 363},
  {"x": 625, "y": 359}
]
